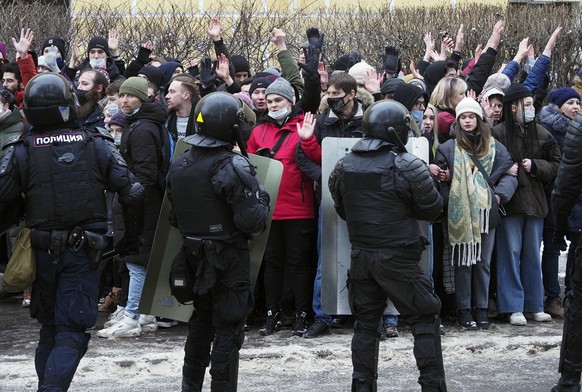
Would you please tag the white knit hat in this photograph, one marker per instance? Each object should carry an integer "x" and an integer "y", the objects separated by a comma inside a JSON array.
[
  {"x": 469, "y": 105},
  {"x": 359, "y": 71}
]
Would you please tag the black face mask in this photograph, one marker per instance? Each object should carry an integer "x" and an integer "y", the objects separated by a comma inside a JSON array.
[
  {"x": 81, "y": 96},
  {"x": 337, "y": 104}
]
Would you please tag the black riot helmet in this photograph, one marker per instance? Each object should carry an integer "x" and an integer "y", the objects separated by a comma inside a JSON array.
[
  {"x": 49, "y": 101},
  {"x": 387, "y": 120},
  {"x": 217, "y": 118}
]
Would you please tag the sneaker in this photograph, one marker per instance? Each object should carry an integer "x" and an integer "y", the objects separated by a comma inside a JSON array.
[
  {"x": 318, "y": 328},
  {"x": 26, "y": 297},
  {"x": 540, "y": 317},
  {"x": 169, "y": 323},
  {"x": 517, "y": 318},
  {"x": 272, "y": 325},
  {"x": 388, "y": 331},
  {"x": 465, "y": 319},
  {"x": 554, "y": 308},
  {"x": 115, "y": 317},
  {"x": 126, "y": 328},
  {"x": 300, "y": 325},
  {"x": 480, "y": 317},
  {"x": 148, "y": 323}
]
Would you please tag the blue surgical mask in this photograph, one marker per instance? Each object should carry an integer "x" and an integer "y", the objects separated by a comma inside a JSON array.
[
  {"x": 117, "y": 140},
  {"x": 529, "y": 115},
  {"x": 97, "y": 63},
  {"x": 417, "y": 115},
  {"x": 112, "y": 108},
  {"x": 279, "y": 114}
]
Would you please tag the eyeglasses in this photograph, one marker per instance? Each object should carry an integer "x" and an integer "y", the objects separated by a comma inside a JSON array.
[{"x": 418, "y": 104}]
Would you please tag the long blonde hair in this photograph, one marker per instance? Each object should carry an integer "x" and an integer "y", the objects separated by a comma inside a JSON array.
[{"x": 444, "y": 91}]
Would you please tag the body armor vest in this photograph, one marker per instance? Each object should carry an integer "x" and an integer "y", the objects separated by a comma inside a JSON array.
[
  {"x": 65, "y": 187},
  {"x": 377, "y": 217},
  {"x": 199, "y": 211}
]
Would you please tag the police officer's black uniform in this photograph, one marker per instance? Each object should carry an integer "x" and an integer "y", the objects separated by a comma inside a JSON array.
[
  {"x": 568, "y": 186},
  {"x": 217, "y": 205},
  {"x": 381, "y": 193},
  {"x": 62, "y": 171}
]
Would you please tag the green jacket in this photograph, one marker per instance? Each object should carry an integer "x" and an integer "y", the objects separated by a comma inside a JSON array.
[
  {"x": 11, "y": 126},
  {"x": 290, "y": 70}
]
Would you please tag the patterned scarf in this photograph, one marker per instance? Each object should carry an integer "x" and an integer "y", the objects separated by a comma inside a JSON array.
[{"x": 469, "y": 205}]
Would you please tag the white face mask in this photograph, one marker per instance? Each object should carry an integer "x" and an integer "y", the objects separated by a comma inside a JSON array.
[
  {"x": 117, "y": 140},
  {"x": 279, "y": 114},
  {"x": 112, "y": 108},
  {"x": 97, "y": 63},
  {"x": 529, "y": 115}
]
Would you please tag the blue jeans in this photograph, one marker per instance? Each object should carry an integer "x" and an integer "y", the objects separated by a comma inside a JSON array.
[
  {"x": 472, "y": 282},
  {"x": 519, "y": 272},
  {"x": 550, "y": 262},
  {"x": 316, "y": 302},
  {"x": 137, "y": 275}
]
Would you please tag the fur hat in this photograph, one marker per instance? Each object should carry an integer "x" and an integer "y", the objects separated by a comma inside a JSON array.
[
  {"x": 359, "y": 71},
  {"x": 516, "y": 91},
  {"x": 559, "y": 96},
  {"x": 281, "y": 87},
  {"x": 55, "y": 41},
  {"x": 136, "y": 86},
  {"x": 469, "y": 105},
  {"x": 98, "y": 43}
]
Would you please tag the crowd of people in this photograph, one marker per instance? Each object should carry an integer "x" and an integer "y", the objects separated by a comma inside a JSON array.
[{"x": 495, "y": 144}]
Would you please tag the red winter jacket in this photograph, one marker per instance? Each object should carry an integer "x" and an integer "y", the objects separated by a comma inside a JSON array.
[{"x": 295, "y": 198}]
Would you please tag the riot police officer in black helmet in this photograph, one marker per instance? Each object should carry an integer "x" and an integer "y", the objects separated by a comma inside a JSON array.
[
  {"x": 217, "y": 205},
  {"x": 381, "y": 191},
  {"x": 62, "y": 170}
]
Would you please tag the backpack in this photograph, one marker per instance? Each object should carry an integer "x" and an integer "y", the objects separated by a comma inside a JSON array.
[{"x": 166, "y": 149}]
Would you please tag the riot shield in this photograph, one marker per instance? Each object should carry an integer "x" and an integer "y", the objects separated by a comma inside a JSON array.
[
  {"x": 156, "y": 297},
  {"x": 335, "y": 244}
]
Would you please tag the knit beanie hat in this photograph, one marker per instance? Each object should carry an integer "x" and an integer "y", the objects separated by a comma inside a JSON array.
[
  {"x": 119, "y": 119},
  {"x": 469, "y": 105},
  {"x": 168, "y": 69},
  {"x": 273, "y": 71},
  {"x": 281, "y": 87},
  {"x": 418, "y": 83},
  {"x": 154, "y": 74},
  {"x": 55, "y": 41},
  {"x": 3, "y": 50},
  {"x": 240, "y": 64},
  {"x": 390, "y": 85},
  {"x": 434, "y": 73},
  {"x": 98, "y": 43},
  {"x": 559, "y": 96},
  {"x": 408, "y": 94},
  {"x": 346, "y": 61},
  {"x": 516, "y": 91},
  {"x": 492, "y": 91},
  {"x": 359, "y": 71},
  {"x": 497, "y": 80},
  {"x": 136, "y": 86},
  {"x": 261, "y": 82}
]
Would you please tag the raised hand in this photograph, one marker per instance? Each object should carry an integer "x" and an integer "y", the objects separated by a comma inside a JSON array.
[
  {"x": 23, "y": 44},
  {"x": 305, "y": 130},
  {"x": 215, "y": 29},
  {"x": 113, "y": 42},
  {"x": 460, "y": 39},
  {"x": 279, "y": 38}
]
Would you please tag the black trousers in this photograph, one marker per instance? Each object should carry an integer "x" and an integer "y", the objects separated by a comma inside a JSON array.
[
  {"x": 288, "y": 259},
  {"x": 373, "y": 277}
]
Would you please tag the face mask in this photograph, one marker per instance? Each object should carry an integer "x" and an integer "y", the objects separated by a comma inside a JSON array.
[
  {"x": 117, "y": 140},
  {"x": 97, "y": 63},
  {"x": 336, "y": 104},
  {"x": 417, "y": 115},
  {"x": 112, "y": 108},
  {"x": 81, "y": 96},
  {"x": 132, "y": 113},
  {"x": 60, "y": 63},
  {"x": 529, "y": 115},
  {"x": 279, "y": 114}
]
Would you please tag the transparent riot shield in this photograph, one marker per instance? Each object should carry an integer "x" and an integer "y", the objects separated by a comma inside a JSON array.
[
  {"x": 156, "y": 296},
  {"x": 335, "y": 243}
]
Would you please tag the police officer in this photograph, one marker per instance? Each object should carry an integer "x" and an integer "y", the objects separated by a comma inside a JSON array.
[
  {"x": 568, "y": 186},
  {"x": 381, "y": 191},
  {"x": 63, "y": 171},
  {"x": 217, "y": 205}
]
